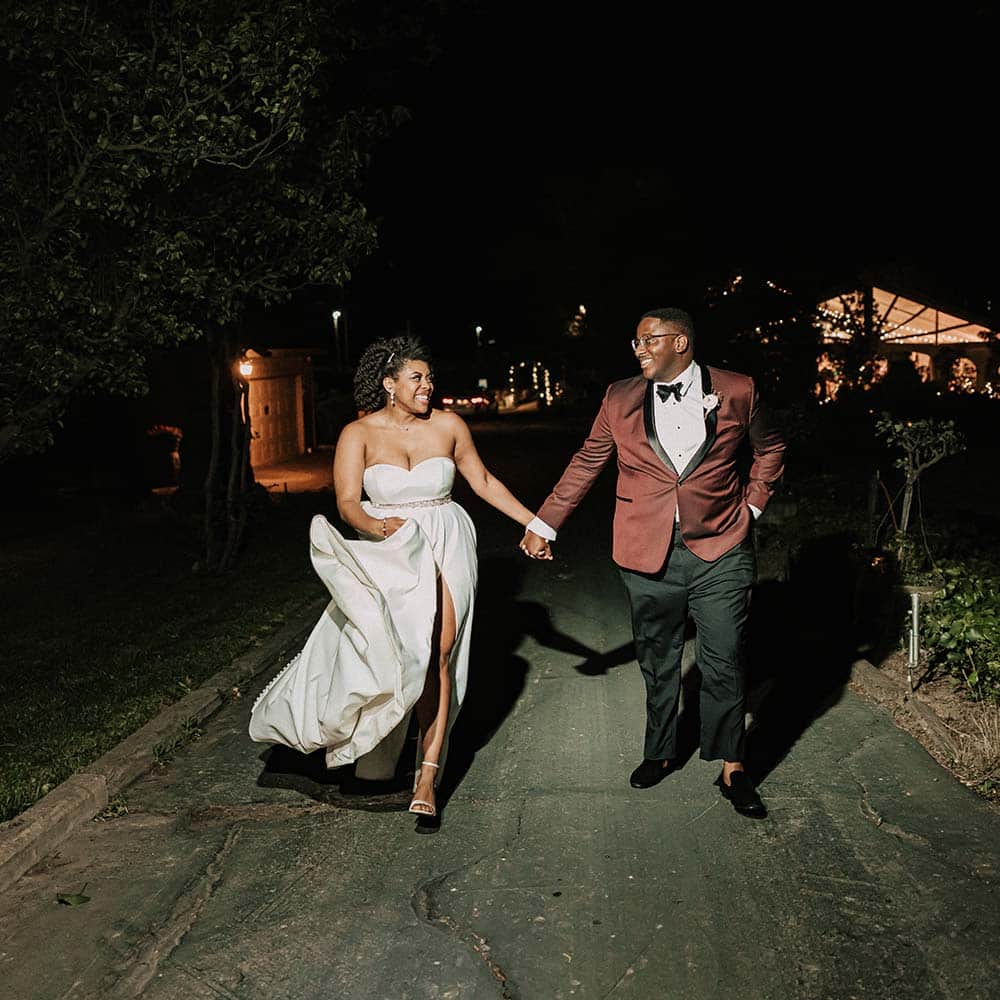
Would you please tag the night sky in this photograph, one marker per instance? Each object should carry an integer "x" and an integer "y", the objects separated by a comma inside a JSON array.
[{"x": 623, "y": 161}]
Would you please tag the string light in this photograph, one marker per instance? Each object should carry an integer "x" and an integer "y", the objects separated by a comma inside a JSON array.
[{"x": 895, "y": 320}]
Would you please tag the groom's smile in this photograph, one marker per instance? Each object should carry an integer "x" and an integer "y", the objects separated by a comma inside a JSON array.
[{"x": 660, "y": 349}]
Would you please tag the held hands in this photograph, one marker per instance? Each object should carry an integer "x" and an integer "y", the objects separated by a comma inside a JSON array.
[{"x": 535, "y": 547}]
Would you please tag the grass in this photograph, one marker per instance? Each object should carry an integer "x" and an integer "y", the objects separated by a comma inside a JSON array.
[
  {"x": 977, "y": 753},
  {"x": 165, "y": 751},
  {"x": 105, "y": 623}
]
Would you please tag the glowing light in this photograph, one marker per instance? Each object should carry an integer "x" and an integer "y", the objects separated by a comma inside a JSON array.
[{"x": 246, "y": 369}]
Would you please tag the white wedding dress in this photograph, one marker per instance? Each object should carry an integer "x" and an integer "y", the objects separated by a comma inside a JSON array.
[{"x": 356, "y": 680}]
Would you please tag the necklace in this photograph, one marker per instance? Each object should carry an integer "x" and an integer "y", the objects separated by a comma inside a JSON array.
[{"x": 400, "y": 425}]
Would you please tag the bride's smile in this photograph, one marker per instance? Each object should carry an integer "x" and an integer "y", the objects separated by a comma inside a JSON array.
[{"x": 411, "y": 390}]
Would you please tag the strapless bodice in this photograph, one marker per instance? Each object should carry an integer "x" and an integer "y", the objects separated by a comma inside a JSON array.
[{"x": 427, "y": 480}]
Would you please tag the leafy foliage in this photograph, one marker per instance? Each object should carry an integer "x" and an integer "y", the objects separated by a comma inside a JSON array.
[
  {"x": 165, "y": 165},
  {"x": 860, "y": 328},
  {"x": 923, "y": 443},
  {"x": 960, "y": 630}
]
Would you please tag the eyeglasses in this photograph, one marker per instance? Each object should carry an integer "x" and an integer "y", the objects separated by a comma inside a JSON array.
[{"x": 646, "y": 341}]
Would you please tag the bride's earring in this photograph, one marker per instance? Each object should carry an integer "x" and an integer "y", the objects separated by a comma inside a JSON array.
[{"x": 392, "y": 397}]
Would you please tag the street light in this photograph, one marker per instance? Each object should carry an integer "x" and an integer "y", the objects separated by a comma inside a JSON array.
[
  {"x": 479, "y": 336},
  {"x": 335, "y": 316}
]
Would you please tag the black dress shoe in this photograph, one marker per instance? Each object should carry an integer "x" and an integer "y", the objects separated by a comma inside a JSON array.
[
  {"x": 741, "y": 792},
  {"x": 649, "y": 773}
]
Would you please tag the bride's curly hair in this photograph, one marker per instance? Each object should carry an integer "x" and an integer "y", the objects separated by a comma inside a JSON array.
[{"x": 382, "y": 357}]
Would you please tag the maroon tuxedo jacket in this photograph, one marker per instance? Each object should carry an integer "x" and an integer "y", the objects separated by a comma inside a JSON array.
[{"x": 709, "y": 493}]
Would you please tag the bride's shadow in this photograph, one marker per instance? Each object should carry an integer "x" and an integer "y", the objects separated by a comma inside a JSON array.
[
  {"x": 308, "y": 775},
  {"x": 496, "y": 681}
]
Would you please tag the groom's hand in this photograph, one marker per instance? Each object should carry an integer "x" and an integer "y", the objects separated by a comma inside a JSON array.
[{"x": 535, "y": 546}]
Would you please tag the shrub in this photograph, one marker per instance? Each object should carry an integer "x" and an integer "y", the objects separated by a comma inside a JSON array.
[{"x": 959, "y": 630}]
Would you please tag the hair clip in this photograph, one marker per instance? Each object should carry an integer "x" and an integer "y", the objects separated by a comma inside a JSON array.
[{"x": 389, "y": 360}]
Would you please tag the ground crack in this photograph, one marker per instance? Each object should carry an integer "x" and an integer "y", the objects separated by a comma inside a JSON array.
[
  {"x": 639, "y": 959},
  {"x": 422, "y": 902},
  {"x": 132, "y": 976},
  {"x": 877, "y": 820},
  {"x": 865, "y": 740}
]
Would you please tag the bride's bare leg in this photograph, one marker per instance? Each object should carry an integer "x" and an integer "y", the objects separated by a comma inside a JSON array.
[{"x": 435, "y": 701}]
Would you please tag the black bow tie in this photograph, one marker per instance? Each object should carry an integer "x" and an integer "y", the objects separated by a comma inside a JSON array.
[{"x": 666, "y": 391}]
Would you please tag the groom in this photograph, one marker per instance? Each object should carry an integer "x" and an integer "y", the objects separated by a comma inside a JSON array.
[{"x": 682, "y": 524}]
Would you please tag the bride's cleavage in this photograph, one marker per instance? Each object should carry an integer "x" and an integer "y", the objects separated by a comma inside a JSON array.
[{"x": 410, "y": 468}]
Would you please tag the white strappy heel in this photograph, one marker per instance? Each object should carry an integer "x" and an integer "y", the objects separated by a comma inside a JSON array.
[{"x": 431, "y": 809}]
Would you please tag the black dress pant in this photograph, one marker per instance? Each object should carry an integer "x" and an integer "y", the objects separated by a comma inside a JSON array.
[{"x": 717, "y": 595}]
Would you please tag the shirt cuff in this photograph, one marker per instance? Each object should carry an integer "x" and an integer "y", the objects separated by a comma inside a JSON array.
[
  {"x": 539, "y": 527},
  {"x": 756, "y": 511}
]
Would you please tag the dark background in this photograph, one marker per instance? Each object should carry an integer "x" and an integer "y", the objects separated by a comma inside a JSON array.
[{"x": 625, "y": 159}]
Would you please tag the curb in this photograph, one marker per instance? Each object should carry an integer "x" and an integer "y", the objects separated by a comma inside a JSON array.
[
  {"x": 36, "y": 832},
  {"x": 868, "y": 680}
]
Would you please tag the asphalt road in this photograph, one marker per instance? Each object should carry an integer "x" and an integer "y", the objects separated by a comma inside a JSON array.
[{"x": 239, "y": 873}]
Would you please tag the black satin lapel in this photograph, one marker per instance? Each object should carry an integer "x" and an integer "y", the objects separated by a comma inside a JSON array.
[
  {"x": 654, "y": 441},
  {"x": 711, "y": 426}
]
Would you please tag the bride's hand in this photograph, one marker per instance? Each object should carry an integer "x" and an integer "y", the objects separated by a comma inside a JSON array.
[
  {"x": 535, "y": 547},
  {"x": 390, "y": 525}
]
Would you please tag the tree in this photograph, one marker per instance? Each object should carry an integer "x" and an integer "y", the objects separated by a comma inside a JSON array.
[
  {"x": 859, "y": 327},
  {"x": 923, "y": 443},
  {"x": 166, "y": 168},
  {"x": 164, "y": 165}
]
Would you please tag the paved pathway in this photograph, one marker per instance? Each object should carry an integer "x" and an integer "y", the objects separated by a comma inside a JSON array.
[{"x": 306, "y": 474}]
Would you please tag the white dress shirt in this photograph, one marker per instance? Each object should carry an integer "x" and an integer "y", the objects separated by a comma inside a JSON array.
[
  {"x": 680, "y": 429},
  {"x": 680, "y": 423}
]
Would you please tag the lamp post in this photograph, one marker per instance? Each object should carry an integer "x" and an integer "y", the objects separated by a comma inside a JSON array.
[
  {"x": 335, "y": 316},
  {"x": 479, "y": 336}
]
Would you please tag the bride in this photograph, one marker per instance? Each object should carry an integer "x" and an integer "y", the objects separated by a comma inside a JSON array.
[{"x": 396, "y": 635}]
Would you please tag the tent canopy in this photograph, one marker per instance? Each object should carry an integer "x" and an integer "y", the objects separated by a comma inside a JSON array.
[{"x": 905, "y": 321}]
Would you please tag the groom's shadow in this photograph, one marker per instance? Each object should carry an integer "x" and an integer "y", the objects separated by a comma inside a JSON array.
[
  {"x": 598, "y": 664},
  {"x": 802, "y": 644}
]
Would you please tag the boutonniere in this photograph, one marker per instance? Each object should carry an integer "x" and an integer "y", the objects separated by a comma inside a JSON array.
[{"x": 710, "y": 401}]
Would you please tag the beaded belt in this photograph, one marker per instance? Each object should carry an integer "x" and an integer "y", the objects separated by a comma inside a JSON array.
[{"x": 436, "y": 502}]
